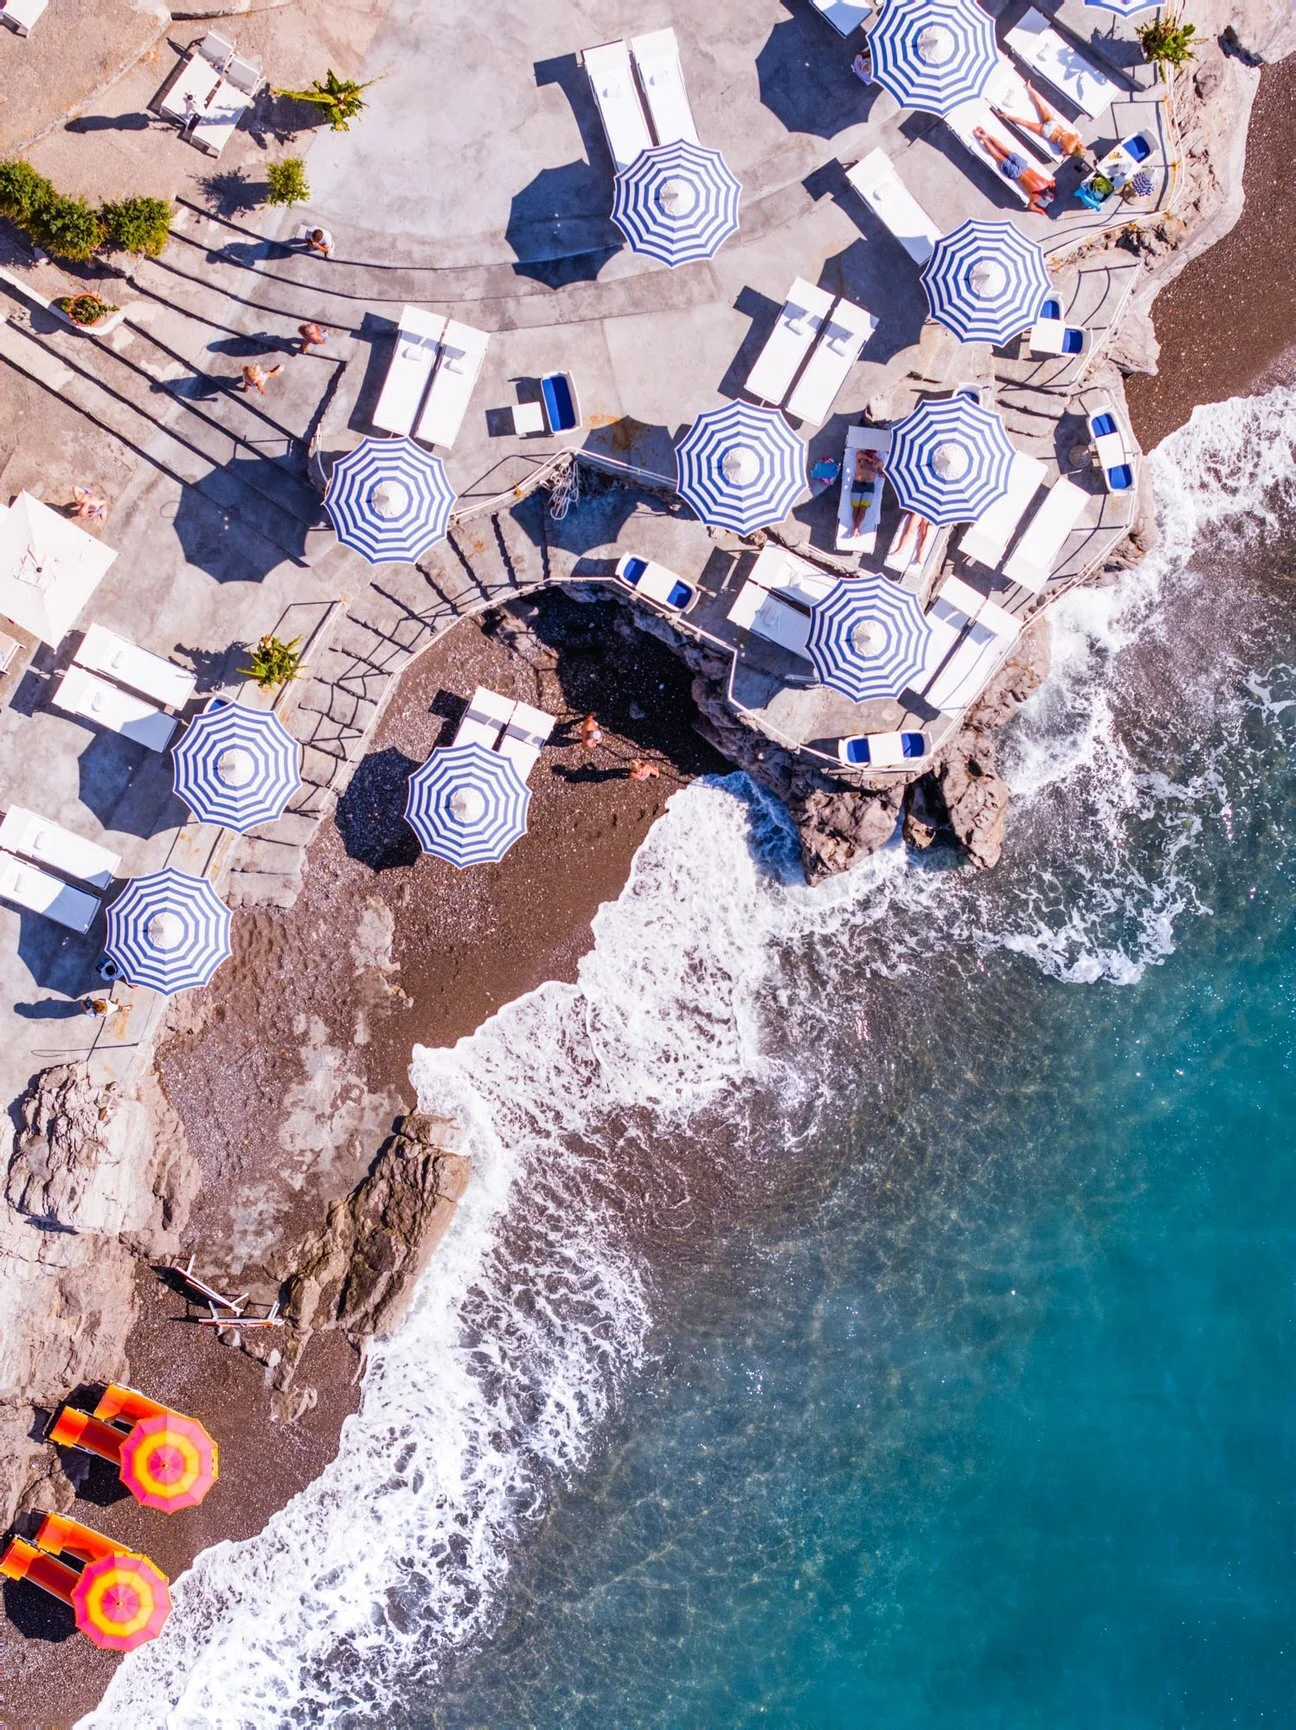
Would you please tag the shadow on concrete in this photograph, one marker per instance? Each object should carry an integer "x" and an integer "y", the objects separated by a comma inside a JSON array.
[
  {"x": 231, "y": 193},
  {"x": 764, "y": 313},
  {"x": 234, "y": 525},
  {"x": 110, "y": 123},
  {"x": 805, "y": 77},
  {"x": 48, "y": 1009},
  {"x": 246, "y": 347},
  {"x": 868, "y": 272},
  {"x": 598, "y": 519},
  {"x": 559, "y": 228},
  {"x": 35, "y": 1614},
  {"x": 126, "y": 786},
  {"x": 57, "y": 959},
  {"x": 378, "y": 337},
  {"x": 370, "y": 814},
  {"x": 212, "y": 668}
]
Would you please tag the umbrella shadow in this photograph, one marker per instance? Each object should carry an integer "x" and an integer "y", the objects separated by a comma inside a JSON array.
[
  {"x": 559, "y": 226},
  {"x": 37, "y": 1615},
  {"x": 370, "y": 815},
  {"x": 808, "y": 87}
]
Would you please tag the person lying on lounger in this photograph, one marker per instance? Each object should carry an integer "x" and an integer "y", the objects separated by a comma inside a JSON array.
[
  {"x": 1048, "y": 124},
  {"x": 919, "y": 528},
  {"x": 1040, "y": 188},
  {"x": 865, "y": 482}
]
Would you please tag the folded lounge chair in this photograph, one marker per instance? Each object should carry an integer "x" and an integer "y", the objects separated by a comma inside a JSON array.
[
  {"x": 841, "y": 339},
  {"x": 103, "y": 651},
  {"x": 22, "y": 831},
  {"x": 789, "y": 342},
  {"x": 657, "y": 61},
  {"x": 875, "y": 179},
  {"x": 624, "y": 123},
  {"x": 524, "y": 737},
  {"x": 463, "y": 350},
  {"x": 860, "y": 438},
  {"x": 882, "y": 750},
  {"x": 986, "y": 540},
  {"x": 485, "y": 719},
  {"x": 418, "y": 342},
  {"x": 82, "y": 694},
  {"x": 37, "y": 892},
  {"x": 1062, "y": 63},
  {"x": 783, "y": 573},
  {"x": 1032, "y": 559},
  {"x": 961, "y": 679},
  {"x": 1052, "y": 336}
]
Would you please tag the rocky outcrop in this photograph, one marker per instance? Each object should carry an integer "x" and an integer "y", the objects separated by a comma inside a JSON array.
[
  {"x": 357, "y": 1274},
  {"x": 837, "y": 829}
]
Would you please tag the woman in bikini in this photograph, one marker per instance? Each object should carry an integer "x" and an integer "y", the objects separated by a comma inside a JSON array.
[
  {"x": 1040, "y": 188},
  {"x": 1047, "y": 124}
]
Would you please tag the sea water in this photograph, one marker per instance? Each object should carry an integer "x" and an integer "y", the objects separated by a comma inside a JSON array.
[{"x": 872, "y": 1305}]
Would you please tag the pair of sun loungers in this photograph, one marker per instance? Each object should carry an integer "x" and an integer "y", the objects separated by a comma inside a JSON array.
[
  {"x": 639, "y": 92},
  {"x": 430, "y": 377},
  {"x": 810, "y": 352},
  {"x": 986, "y": 540},
  {"x": 29, "y": 842},
  {"x": 775, "y": 601},
  {"x": 210, "y": 94},
  {"x": 969, "y": 635},
  {"x": 120, "y": 705},
  {"x": 516, "y": 730}
]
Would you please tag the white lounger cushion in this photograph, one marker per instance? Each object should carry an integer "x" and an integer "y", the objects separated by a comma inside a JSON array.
[
  {"x": 418, "y": 342},
  {"x": 617, "y": 99},
  {"x": 946, "y": 623},
  {"x": 789, "y": 342},
  {"x": 783, "y": 573},
  {"x": 103, "y": 651},
  {"x": 38, "y": 892},
  {"x": 875, "y": 179},
  {"x": 844, "y": 15},
  {"x": 960, "y": 680},
  {"x": 656, "y": 57},
  {"x": 986, "y": 539},
  {"x": 765, "y": 615},
  {"x": 963, "y": 122},
  {"x": 840, "y": 341},
  {"x": 886, "y": 751},
  {"x": 1007, "y": 90},
  {"x": 1061, "y": 62},
  {"x": 860, "y": 438},
  {"x": 463, "y": 350},
  {"x": 1031, "y": 563},
  {"x": 525, "y": 736},
  {"x": 22, "y": 831},
  {"x": 22, "y": 14},
  {"x": 485, "y": 719},
  {"x": 81, "y": 693}
]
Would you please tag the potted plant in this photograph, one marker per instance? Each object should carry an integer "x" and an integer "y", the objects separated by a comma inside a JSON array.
[
  {"x": 85, "y": 310},
  {"x": 273, "y": 662},
  {"x": 1167, "y": 41}
]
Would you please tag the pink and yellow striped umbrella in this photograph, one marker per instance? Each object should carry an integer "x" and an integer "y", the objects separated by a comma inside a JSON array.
[
  {"x": 121, "y": 1601},
  {"x": 169, "y": 1462}
]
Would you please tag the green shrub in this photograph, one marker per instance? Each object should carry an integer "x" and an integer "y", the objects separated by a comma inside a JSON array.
[
  {"x": 85, "y": 308},
  {"x": 273, "y": 662},
  {"x": 138, "y": 224},
  {"x": 340, "y": 99},
  {"x": 24, "y": 194},
  {"x": 69, "y": 229},
  {"x": 287, "y": 182},
  {"x": 1167, "y": 41}
]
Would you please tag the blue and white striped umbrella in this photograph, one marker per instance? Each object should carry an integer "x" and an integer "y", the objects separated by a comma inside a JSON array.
[
  {"x": 933, "y": 54},
  {"x": 677, "y": 203},
  {"x": 986, "y": 282},
  {"x": 467, "y": 805},
  {"x": 949, "y": 459},
  {"x": 236, "y": 766},
  {"x": 389, "y": 500},
  {"x": 169, "y": 931},
  {"x": 868, "y": 638},
  {"x": 1126, "y": 8},
  {"x": 741, "y": 467}
]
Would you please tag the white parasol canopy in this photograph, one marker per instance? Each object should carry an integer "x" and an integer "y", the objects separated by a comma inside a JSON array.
[{"x": 49, "y": 568}]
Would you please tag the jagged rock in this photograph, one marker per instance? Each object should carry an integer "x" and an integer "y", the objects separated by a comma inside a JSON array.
[
  {"x": 101, "y": 1160},
  {"x": 924, "y": 813},
  {"x": 1023, "y": 672},
  {"x": 976, "y": 799},
  {"x": 357, "y": 1274},
  {"x": 838, "y": 828}
]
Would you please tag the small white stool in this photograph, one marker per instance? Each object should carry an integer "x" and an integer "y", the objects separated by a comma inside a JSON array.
[{"x": 528, "y": 418}]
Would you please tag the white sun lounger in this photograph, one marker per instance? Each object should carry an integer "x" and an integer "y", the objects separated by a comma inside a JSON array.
[
  {"x": 974, "y": 605},
  {"x": 524, "y": 737},
  {"x": 103, "y": 651},
  {"x": 914, "y": 573},
  {"x": 782, "y": 572},
  {"x": 20, "y": 15},
  {"x": 218, "y": 122},
  {"x": 1007, "y": 90},
  {"x": 418, "y": 342},
  {"x": 860, "y": 438},
  {"x": 37, "y": 892},
  {"x": 612, "y": 81},
  {"x": 463, "y": 350},
  {"x": 1038, "y": 45},
  {"x": 946, "y": 623},
  {"x": 485, "y": 719},
  {"x": 961, "y": 679},
  {"x": 1031, "y": 562},
  {"x": 768, "y": 615},
  {"x": 875, "y": 179},
  {"x": 22, "y": 831},
  {"x": 82, "y": 694},
  {"x": 789, "y": 342},
  {"x": 661, "y": 78},
  {"x": 844, "y": 15},
  {"x": 840, "y": 341},
  {"x": 986, "y": 540},
  {"x": 963, "y": 122}
]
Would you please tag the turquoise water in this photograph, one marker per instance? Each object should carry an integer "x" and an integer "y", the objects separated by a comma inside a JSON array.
[{"x": 872, "y": 1306}]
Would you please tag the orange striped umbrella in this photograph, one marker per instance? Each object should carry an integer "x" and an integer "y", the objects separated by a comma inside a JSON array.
[
  {"x": 169, "y": 1462},
  {"x": 121, "y": 1601}
]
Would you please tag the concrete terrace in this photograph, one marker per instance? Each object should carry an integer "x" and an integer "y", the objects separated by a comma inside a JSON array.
[{"x": 478, "y": 184}]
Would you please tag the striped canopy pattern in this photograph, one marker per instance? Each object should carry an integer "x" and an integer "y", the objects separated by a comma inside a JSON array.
[
  {"x": 169, "y": 932},
  {"x": 933, "y": 54},
  {"x": 389, "y": 500},
  {"x": 949, "y": 459},
  {"x": 467, "y": 805},
  {"x": 169, "y": 1462},
  {"x": 741, "y": 467},
  {"x": 986, "y": 281},
  {"x": 121, "y": 1601},
  {"x": 236, "y": 766},
  {"x": 677, "y": 203},
  {"x": 868, "y": 638},
  {"x": 1126, "y": 8}
]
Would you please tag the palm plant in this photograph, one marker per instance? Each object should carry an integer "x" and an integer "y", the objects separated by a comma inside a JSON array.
[
  {"x": 340, "y": 98},
  {"x": 273, "y": 662},
  {"x": 1167, "y": 41}
]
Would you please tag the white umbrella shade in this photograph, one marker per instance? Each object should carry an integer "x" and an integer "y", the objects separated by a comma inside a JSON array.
[{"x": 49, "y": 568}]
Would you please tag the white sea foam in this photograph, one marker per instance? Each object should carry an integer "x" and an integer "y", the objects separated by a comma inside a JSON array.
[{"x": 537, "y": 1309}]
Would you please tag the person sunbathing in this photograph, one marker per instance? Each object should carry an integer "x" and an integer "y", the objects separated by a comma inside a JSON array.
[
  {"x": 1040, "y": 188},
  {"x": 864, "y": 485},
  {"x": 917, "y": 528},
  {"x": 1047, "y": 124}
]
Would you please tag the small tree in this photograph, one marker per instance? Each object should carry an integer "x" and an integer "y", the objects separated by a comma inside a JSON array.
[
  {"x": 1167, "y": 41},
  {"x": 69, "y": 229},
  {"x": 140, "y": 225},
  {"x": 24, "y": 194},
  {"x": 287, "y": 182},
  {"x": 273, "y": 662},
  {"x": 340, "y": 98}
]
